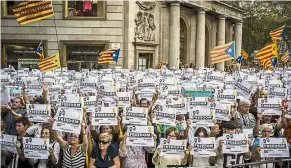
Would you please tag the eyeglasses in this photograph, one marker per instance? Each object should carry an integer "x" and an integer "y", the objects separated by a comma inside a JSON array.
[
  {"x": 103, "y": 142},
  {"x": 266, "y": 131}
]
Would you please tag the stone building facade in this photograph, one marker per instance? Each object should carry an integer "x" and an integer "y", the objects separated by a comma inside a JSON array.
[{"x": 146, "y": 32}]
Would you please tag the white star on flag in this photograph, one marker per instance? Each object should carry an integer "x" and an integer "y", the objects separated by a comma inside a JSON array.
[{"x": 229, "y": 50}]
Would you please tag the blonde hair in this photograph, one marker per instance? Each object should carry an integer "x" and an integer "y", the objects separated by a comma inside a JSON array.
[{"x": 105, "y": 136}]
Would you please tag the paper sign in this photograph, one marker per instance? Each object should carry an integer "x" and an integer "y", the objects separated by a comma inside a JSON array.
[
  {"x": 201, "y": 117},
  {"x": 68, "y": 120},
  {"x": 270, "y": 106},
  {"x": 123, "y": 99},
  {"x": 8, "y": 143},
  {"x": 35, "y": 148},
  {"x": 274, "y": 148},
  {"x": 235, "y": 143},
  {"x": 105, "y": 116},
  {"x": 38, "y": 112},
  {"x": 228, "y": 94},
  {"x": 203, "y": 147},
  {"x": 172, "y": 147},
  {"x": 135, "y": 115},
  {"x": 140, "y": 136},
  {"x": 165, "y": 116},
  {"x": 221, "y": 111}
]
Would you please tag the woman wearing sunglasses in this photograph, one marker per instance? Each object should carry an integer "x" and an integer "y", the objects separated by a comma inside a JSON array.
[
  {"x": 170, "y": 160},
  {"x": 103, "y": 154},
  {"x": 75, "y": 151}
]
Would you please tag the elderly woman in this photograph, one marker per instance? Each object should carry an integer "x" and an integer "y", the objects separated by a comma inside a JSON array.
[
  {"x": 104, "y": 154},
  {"x": 243, "y": 118},
  {"x": 133, "y": 156},
  {"x": 74, "y": 153},
  {"x": 170, "y": 160}
]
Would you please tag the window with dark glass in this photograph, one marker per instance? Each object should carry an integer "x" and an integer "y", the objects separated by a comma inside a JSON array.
[
  {"x": 84, "y": 8},
  {"x": 13, "y": 53},
  {"x": 7, "y": 7},
  {"x": 145, "y": 61},
  {"x": 83, "y": 56}
]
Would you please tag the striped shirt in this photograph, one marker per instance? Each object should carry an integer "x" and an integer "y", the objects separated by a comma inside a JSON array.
[{"x": 77, "y": 161}]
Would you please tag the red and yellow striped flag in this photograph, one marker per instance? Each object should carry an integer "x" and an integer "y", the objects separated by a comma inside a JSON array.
[
  {"x": 106, "y": 56},
  {"x": 267, "y": 64},
  {"x": 244, "y": 54},
  {"x": 278, "y": 33},
  {"x": 50, "y": 63},
  {"x": 267, "y": 52},
  {"x": 285, "y": 57},
  {"x": 33, "y": 10}
]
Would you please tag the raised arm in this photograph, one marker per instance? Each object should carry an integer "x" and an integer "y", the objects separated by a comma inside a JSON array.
[{"x": 61, "y": 141}]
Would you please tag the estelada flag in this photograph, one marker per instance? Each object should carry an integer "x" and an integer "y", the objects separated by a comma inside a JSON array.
[
  {"x": 33, "y": 10},
  {"x": 50, "y": 63}
]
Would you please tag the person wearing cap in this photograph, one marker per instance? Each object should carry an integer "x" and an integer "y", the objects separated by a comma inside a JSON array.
[
  {"x": 243, "y": 118},
  {"x": 226, "y": 159}
]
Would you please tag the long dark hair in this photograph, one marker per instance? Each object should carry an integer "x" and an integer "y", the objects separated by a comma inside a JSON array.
[{"x": 201, "y": 129}]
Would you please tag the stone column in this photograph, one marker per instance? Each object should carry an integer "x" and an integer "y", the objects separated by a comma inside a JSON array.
[
  {"x": 213, "y": 36},
  {"x": 174, "y": 50},
  {"x": 221, "y": 38},
  {"x": 200, "y": 42},
  {"x": 191, "y": 58},
  {"x": 238, "y": 38},
  {"x": 230, "y": 38}
]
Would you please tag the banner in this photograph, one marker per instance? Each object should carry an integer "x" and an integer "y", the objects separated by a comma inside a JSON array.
[
  {"x": 274, "y": 148},
  {"x": 189, "y": 93},
  {"x": 235, "y": 143},
  {"x": 39, "y": 113},
  {"x": 203, "y": 147},
  {"x": 172, "y": 147},
  {"x": 68, "y": 120},
  {"x": 8, "y": 143},
  {"x": 35, "y": 148},
  {"x": 135, "y": 115},
  {"x": 105, "y": 116},
  {"x": 140, "y": 136}
]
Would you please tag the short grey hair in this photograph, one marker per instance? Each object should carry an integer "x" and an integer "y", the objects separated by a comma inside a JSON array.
[{"x": 243, "y": 101}]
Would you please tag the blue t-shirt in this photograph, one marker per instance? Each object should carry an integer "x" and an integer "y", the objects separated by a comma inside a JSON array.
[
  {"x": 10, "y": 122},
  {"x": 111, "y": 153}
]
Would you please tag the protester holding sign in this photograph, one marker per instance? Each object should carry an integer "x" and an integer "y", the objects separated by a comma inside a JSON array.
[
  {"x": 170, "y": 160},
  {"x": 243, "y": 118}
]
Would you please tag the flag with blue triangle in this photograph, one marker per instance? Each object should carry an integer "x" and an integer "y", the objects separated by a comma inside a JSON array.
[{"x": 274, "y": 61}]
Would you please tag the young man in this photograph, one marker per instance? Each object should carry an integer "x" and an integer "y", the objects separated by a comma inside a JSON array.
[{"x": 226, "y": 159}]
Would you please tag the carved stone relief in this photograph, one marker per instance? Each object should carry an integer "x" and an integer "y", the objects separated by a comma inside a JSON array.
[
  {"x": 145, "y": 22},
  {"x": 145, "y": 26}
]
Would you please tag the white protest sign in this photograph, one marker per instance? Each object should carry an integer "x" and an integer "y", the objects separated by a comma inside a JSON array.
[
  {"x": 277, "y": 92},
  {"x": 244, "y": 88},
  {"x": 197, "y": 101},
  {"x": 135, "y": 115},
  {"x": 5, "y": 96},
  {"x": 35, "y": 148},
  {"x": 14, "y": 91},
  {"x": 8, "y": 143},
  {"x": 38, "y": 112},
  {"x": 221, "y": 111},
  {"x": 178, "y": 104},
  {"x": 201, "y": 117},
  {"x": 274, "y": 148},
  {"x": 203, "y": 147},
  {"x": 172, "y": 147},
  {"x": 53, "y": 100},
  {"x": 89, "y": 101},
  {"x": 123, "y": 99},
  {"x": 246, "y": 131},
  {"x": 105, "y": 116},
  {"x": 235, "y": 143},
  {"x": 70, "y": 100},
  {"x": 270, "y": 106},
  {"x": 68, "y": 120},
  {"x": 165, "y": 116},
  {"x": 140, "y": 136},
  {"x": 228, "y": 94}
]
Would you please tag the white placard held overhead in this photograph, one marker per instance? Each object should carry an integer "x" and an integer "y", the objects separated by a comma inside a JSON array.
[
  {"x": 165, "y": 116},
  {"x": 135, "y": 115},
  {"x": 123, "y": 99},
  {"x": 8, "y": 143},
  {"x": 201, "y": 117},
  {"x": 140, "y": 136},
  {"x": 270, "y": 106},
  {"x": 105, "y": 116},
  {"x": 221, "y": 111},
  {"x": 38, "y": 112},
  {"x": 68, "y": 120}
]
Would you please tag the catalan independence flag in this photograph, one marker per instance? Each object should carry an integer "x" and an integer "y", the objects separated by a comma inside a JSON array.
[
  {"x": 50, "y": 63},
  {"x": 223, "y": 53},
  {"x": 278, "y": 34},
  {"x": 285, "y": 57},
  {"x": 110, "y": 55},
  {"x": 39, "y": 51},
  {"x": 244, "y": 54},
  {"x": 32, "y": 11},
  {"x": 267, "y": 52},
  {"x": 267, "y": 64}
]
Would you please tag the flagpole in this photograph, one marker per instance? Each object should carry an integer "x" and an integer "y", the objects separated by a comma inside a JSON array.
[{"x": 55, "y": 25}]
